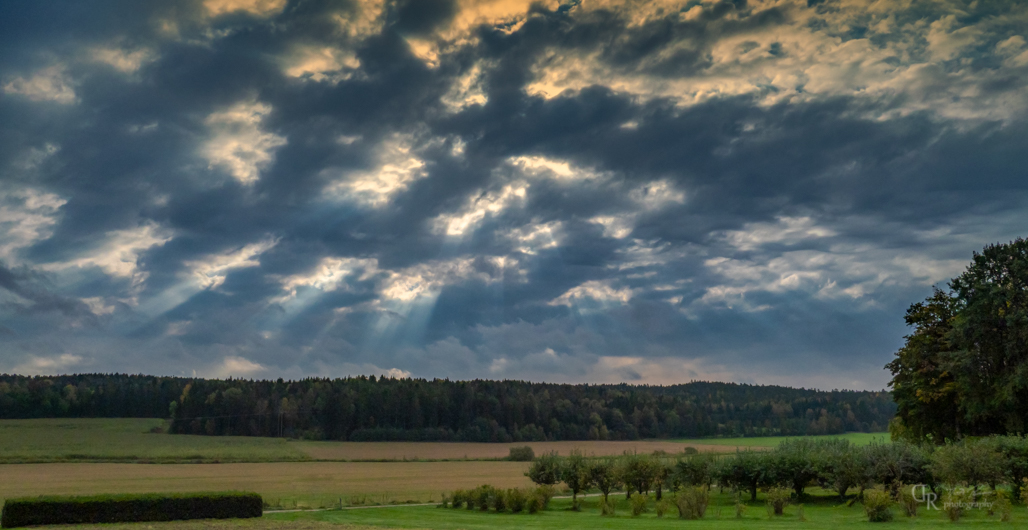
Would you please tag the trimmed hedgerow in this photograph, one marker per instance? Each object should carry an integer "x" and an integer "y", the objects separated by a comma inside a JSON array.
[{"x": 47, "y": 510}]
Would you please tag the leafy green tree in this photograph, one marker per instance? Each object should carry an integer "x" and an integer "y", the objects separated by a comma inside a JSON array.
[
  {"x": 603, "y": 474},
  {"x": 840, "y": 466},
  {"x": 638, "y": 472},
  {"x": 972, "y": 462},
  {"x": 545, "y": 469},
  {"x": 1015, "y": 455},
  {"x": 574, "y": 471},
  {"x": 794, "y": 463},
  {"x": 694, "y": 470},
  {"x": 742, "y": 472},
  {"x": 892, "y": 464},
  {"x": 922, "y": 385},
  {"x": 964, "y": 369},
  {"x": 990, "y": 367}
]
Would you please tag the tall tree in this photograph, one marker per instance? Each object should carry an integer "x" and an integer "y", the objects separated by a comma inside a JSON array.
[
  {"x": 964, "y": 369},
  {"x": 922, "y": 385},
  {"x": 991, "y": 365}
]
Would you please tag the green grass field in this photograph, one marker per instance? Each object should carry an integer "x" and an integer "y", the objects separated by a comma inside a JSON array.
[
  {"x": 858, "y": 438},
  {"x": 130, "y": 440},
  {"x": 820, "y": 512}
]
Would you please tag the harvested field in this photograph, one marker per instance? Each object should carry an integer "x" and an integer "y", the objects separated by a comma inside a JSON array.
[
  {"x": 463, "y": 451},
  {"x": 289, "y": 484}
]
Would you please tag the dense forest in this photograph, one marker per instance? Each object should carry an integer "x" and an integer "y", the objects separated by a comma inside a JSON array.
[{"x": 370, "y": 409}]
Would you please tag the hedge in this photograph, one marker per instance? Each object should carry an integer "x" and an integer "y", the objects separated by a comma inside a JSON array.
[{"x": 46, "y": 510}]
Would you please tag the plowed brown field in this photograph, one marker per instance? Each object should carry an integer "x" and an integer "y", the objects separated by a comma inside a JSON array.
[{"x": 313, "y": 484}]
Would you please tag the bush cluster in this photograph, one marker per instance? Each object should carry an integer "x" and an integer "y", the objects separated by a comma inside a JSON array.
[
  {"x": 877, "y": 505},
  {"x": 129, "y": 508},
  {"x": 513, "y": 500},
  {"x": 521, "y": 454}
]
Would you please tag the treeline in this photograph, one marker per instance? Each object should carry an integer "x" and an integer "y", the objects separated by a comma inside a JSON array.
[
  {"x": 995, "y": 467},
  {"x": 377, "y": 409}
]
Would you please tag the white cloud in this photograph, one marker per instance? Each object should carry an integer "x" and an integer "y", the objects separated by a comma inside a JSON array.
[
  {"x": 211, "y": 271},
  {"x": 530, "y": 239},
  {"x": 54, "y": 365},
  {"x": 946, "y": 42},
  {"x": 560, "y": 170},
  {"x": 238, "y": 144},
  {"x": 427, "y": 279},
  {"x": 118, "y": 253},
  {"x": 615, "y": 226},
  {"x": 657, "y": 195},
  {"x": 98, "y": 305},
  {"x": 320, "y": 63},
  {"x": 397, "y": 167},
  {"x": 120, "y": 59},
  {"x": 468, "y": 89},
  {"x": 328, "y": 275},
  {"x": 235, "y": 366},
  {"x": 27, "y": 216},
  {"x": 786, "y": 230},
  {"x": 593, "y": 290},
  {"x": 262, "y": 8},
  {"x": 478, "y": 207},
  {"x": 48, "y": 84}
]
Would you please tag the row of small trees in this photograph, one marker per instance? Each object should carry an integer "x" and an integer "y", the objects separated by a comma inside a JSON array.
[{"x": 836, "y": 465}]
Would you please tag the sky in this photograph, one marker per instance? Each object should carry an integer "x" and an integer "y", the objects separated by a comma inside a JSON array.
[{"x": 590, "y": 192}]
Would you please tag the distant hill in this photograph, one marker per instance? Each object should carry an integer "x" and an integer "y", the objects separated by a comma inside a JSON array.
[{"x": 371, "y": 409}]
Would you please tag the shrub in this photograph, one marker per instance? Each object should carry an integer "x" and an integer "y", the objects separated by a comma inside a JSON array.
[
  {"x": 516, "y": 500},
  {"x": 535, "y": 502},
  {"x": 1002, "y": 505},
  {"x": 460, "y": 498},
  {"x": 953, "y": 503},
  {"x": 480, "y": 497},
  {"x": 129, "y": 508},
  {"x": 663, "y": 506},
  {"x": 777, "y": 498},
  {"x": 498, "y": 499},
  {"x": 639, "y": 502},
  {"x": 608, "y": 507},
  {"x": 740, "y": 509},
  {"x": 690, "y": 450},
  {"x": 545, "y": 493},
  {"x": 906, "y": 500},
  {"x": 692, "y": 502},
  {"x": 877, "y": 503},
  {"x": 521, "y": 454}
]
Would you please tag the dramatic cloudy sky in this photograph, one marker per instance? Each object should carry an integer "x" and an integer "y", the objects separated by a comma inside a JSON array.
[{"x": 599, "y": 191}]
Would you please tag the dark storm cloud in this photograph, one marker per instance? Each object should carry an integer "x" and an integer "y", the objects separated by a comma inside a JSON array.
[{"x": 585, "y": 192}]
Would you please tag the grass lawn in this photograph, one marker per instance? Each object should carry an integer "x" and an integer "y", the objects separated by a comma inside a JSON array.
[
  {"x": 380, "y": 451},
  {"x": 823, "y": 512},
  {"x": 130, "y": 440},
  {"x": 858, "y": 438}
]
